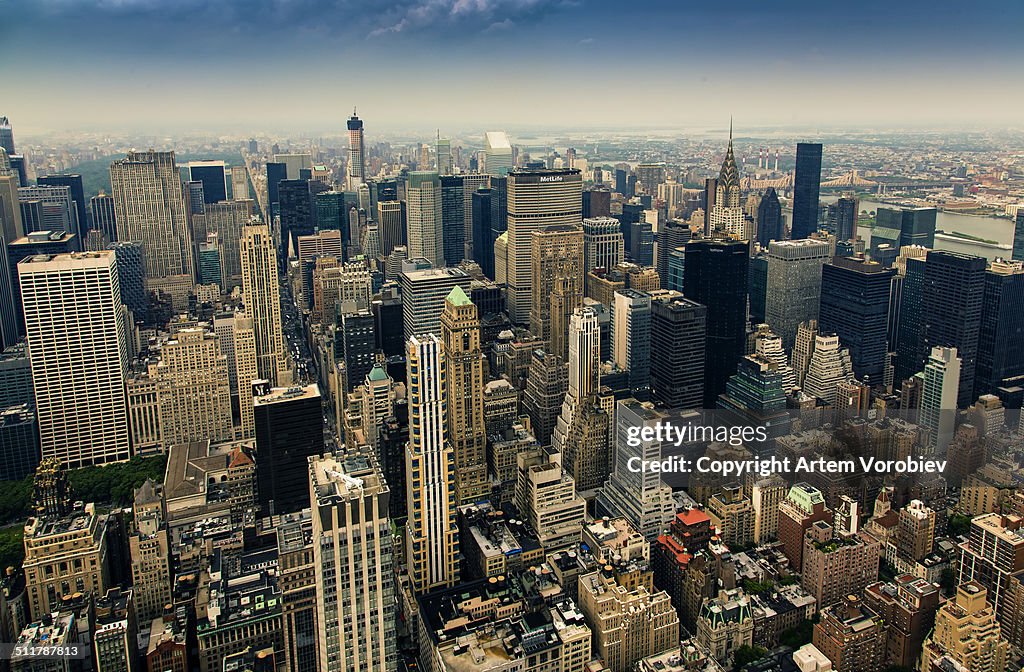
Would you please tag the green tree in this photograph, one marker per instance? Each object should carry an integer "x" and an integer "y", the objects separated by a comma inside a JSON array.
[{"x": 746, "y": 655}]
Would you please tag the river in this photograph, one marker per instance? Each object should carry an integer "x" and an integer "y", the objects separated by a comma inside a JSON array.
[{"x": 982, "y": 226}]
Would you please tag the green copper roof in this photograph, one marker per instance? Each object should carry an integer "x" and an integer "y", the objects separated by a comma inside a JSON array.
[
  {"x": 377, "y": 374},
  {"x": 457, "y": 297}
]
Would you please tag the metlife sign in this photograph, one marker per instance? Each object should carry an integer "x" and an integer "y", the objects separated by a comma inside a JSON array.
[{"x": 551, "y": 178}]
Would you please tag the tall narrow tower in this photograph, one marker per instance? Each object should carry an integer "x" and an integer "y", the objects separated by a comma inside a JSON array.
[
  {"x": 727, "y": 213},
  {"x": 432, "y": 540},
  {"x": 460, "y": 334},
  {"x": 356, "y": 152},
  {"x": 262, "y": 299}
]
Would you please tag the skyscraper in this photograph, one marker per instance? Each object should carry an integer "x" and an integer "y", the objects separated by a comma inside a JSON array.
[
  {"x": 672, "y": 235},
  {"x": 131, "y": 277},
  {"x": 444, "y": 156},
  {"x": 262, "y": 299},
  {"x": 289, "y": 430},
  {"x": 631, "y": 338},
  {"x": 78, "y": 348},
  {"x": 275, "y": 173},
  {"x": 677, "y": 351},
  {"x": 806, "y": 185},
  {"x": 423, "y": 297},
  {"x": 296, "y": 209},
  {"x": 1018, "y": 236},
  {"x": 845, "y": 214},
  {"x": 603, "y": 246},
  {"x": 557, "y": 265},
  {"x": 432, "y": 540},
  {"x": 239, "y": 183},
  {"x": 214, "y": 178},
  {"x": 537, "y": 198},
  {"x": 424, "y": 221},
  {"x": 716, "y": 277},
  {"x": 726, "y": 215},
  {"x": 353, "y": 555},
  {"x": 6, "y": 136},
  {"x": 954, "y": 288},
  {"x": 794, "y": 285},
  {"x": 356, "y": 152},
  {"x": 391, "y": 223},
  {"x": 226, "y": 219},
  {"x": 1001, "y": 337},
  {"x": 149, "y": 207},
  {"x": 828, "y": 366},
  {"x": 855, "y": 306},
  {"x": 497, "y": 153},
  {"x": 74, "y": 183},
  {"x": 453, "y": 219},
  {"x": 942, "y": 376},
  {"x": 967, "y": 635},
  {"x": 460, "y": 337},
  {"x": 769, "y": 219}
]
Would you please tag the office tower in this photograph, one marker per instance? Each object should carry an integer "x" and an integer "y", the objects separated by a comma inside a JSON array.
[
  {"x": 672, "y": 235},
  {"x": 276, "y": 172},
  {"x": 641, "y": 243},
  {"x": 546, "y": 498},
  {"x": 6, "y": 136},
  {"x": 149, "y": 207},
  {"x": 678, "y": 336},
  {"x": 226, "y": 220},
  {"x": 289, "y": 430},
  {"x": 10, "y": 210},
  {"x": 802, "y": 507},
  {"x": 356, "y": 152},
  {"x": 993, "y": 555},
  {"x": 62, "y": 532},
  {"x": 460, "y": 337},
  {"x": 942, "y": 376},
  {"x": 557, "y": 283},
  {"x": 213, "y": 176},
  {"x": 497, "y": 153},
  {"x": 794, "y": 285},
  {"x": 631, "y": 214},
  {"x": 852, "y": 636},
  {"x": 471, "y": 183},
  {"x": 1018, "y": 236},
  {"x": 769, "y": 219},
  {"x": 907, "y": 312},
  {"x": 262, "y": 299},
  {"x": 650, "y": 175},
  {"x": 915, "y": 530},
  {"x": 424, "y": 217},
  {"x": 726, "y": 214},
  {"x": 603, "y": 246},
  {"x": 239, "y": 183},
  {"x": 208, "y": 268},
  {"x": 716, "y": 276},
  {"x": 833, "y": 569},
  {"x": 444, "y": 156},
  {"x": 193, "y": 389},
  {"x": 643, "y": 499},
  {"x": 296, "y": 578},
  {"x": 828, "y": 366},
  {"x": 952, "y": 298},
  {"x": 19, "y": 442},
  {"x": 581, "y": 430},
  {"x": 537, "y": 198},
  {"x": 78, "y": 348},
  {"x": 243, "y": 343},
  {"x": 432, "y": 542},
  {"x": 352, "y": 557},
  {"x": 855, "y": 306},
  {"x": 917, "y": 227},
  {"x": 128, "y": 256},
  {"x": 597, "y": 202},
  {"x": 1001, "y": 337},
  {"x": 391, "y": 223},
  {"x": 546, "y": 384},
  {"x": 296, "y": 208},
  {"x": 55, "y": 206},
  {"x": 423, "y": 296},
  {"x": 756, "y": 396},
  {"x": 453, "y": 219},
  {"x": 36, "y": 242},
  {"x": 803, "y": 350},
  {"x": 631, "y": 338},
  {"x": 74, "y": 184},
  {"x": 806, "y": 185},
  {"x": 150, "y": 553},
  {"x": 843, "y": 216},
  {"x": 358, "y": 348},
  {"x": 677, "y": 268},
  {"x": 966, "y": 635},
  {"x": 489, "y": 220}
]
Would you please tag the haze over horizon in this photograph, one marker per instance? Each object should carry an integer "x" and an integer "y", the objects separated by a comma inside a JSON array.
[{"x": 299, "y": 65}]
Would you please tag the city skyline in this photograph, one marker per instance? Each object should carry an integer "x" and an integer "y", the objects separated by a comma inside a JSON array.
[{"x": 458, "y": 61}]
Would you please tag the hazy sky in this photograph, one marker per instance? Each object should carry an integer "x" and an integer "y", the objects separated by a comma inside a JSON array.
[{"x": 303, "y": 64}]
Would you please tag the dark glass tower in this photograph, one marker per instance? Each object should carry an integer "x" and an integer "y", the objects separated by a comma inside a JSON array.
[
  {"x": 917, "y": 227},
  {"x": 845, "y": 218},
  {"x": 758, "y": 284},
  {"x": 597, "y": 202},
  {"x": 769, "y": 219},
  {"x": 131, "y": 277},
  {"x": 212, "y": 175},
  {"x": 806, "y": 185},
  {"x": 331, "y": 214},
  {"x": 357, "y": 340},
  {"x": 73, "y": 182},
  {"x": 671, "y": 234},
  {"x": 954, "y": 288},
  {"x": 483, "y": 243},
  {"x": 641, "y": 243},
  {"x": 855, "y": 306},
  {"x": 453, "y": 219},
  {"x": 296, "y": 213},
  {"x": 275, "y": 173},
  {"x": 289, "y": 430},
  {"x": 1018, "y": 236},
  {"x": 1001, "y": 340},
  {"x": 908, "y": 315},
  {"x": 678, "y": 338},
  {"x": 716, "y": 276}
]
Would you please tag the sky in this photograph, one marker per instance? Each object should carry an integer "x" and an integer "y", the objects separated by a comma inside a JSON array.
[{"x": 302, "y": 65}]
